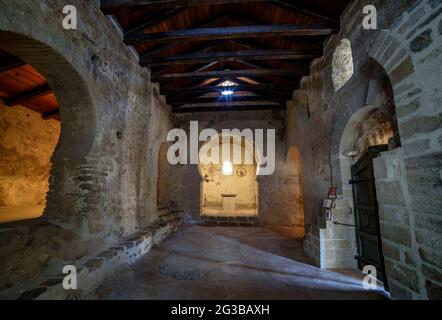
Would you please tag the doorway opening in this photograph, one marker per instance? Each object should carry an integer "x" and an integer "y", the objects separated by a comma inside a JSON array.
[
  {"x": 371, "y": 131},
  {"x": 29, "y": 133}
]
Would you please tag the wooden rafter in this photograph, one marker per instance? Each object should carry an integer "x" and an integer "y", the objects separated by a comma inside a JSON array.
[
  {"x": 154, "y": 21},
  {"x": 231, "y": 73},
  {"x": 304, "y": 9},
  {"x": 265, "y": 98},
  {"x": 206, "y": 57},
  {"x": 243, "y": 87},
  {"x": 10, "y": 63},
  {"x": 164, "y": 4},
  {"x": 189, "y": 75},
  {"x": 228, "y": 108},
  {"x": 35, "y": 93},
  {"x": 51, "y": 114},
  {"x": 163, "y": 47},
  {"x": 254, "y": 31}
]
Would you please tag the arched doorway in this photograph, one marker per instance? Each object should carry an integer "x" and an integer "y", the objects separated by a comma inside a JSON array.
[
  {"x": 228, "y": 168},
  {"x": 294, "y": 185},
  {"x": 369, "y": 132},
  {"x": 77, "y": 133},
  {"x": 29, "y": 132}
]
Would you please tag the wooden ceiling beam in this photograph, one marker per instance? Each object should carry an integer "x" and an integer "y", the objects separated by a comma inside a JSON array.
[
  {"x": 206, "y": 57},
  {"x": 23, "y": 97},
  {"x": 222, "y": 99},
  {"x": 228, "y": 108},
  {"x": 230, "y": 73},
  {"x": 162, "y": 47},
  {"x": 251, "y": 31},
  {"x": 160, "y": 17},
  {"x": 214, "y": 89},
  {"x": 164, "y": 4},
  {"x": 10, "y": 63},
  {"x": 304, "y": 9},
  {"x": 53, "y": 114}
]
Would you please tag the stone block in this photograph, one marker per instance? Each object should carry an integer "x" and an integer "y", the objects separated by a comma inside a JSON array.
[
  {"x": 398, "y": 292},
  {"x": 390, "y": 251},
  {"x": 390, "y": 193},
  {"x": 430, "y": 240},
  {"x": 411, "y": 21},
  {"x": 402, "y": 71},
  {"x": 432, "y": 223},
  {"x": 416, "y": 147},
  {"x": 409, "y": 259},
  {"x": 403, "y": 275},
  {"x": 431, "y": 258},
  {"x": 422, "y": 41},
  {"x": 431, "y": 273},
  {"x": 395, "y": 215},
  {"x": 380, "y": 168},
  {"x": 396, "y": 234},
  {"x": 434, "y": 291},
  {"x": 419, "y": 125},
  {"x": 408, "y": 108},
  {"x": 94, "y": 264}
]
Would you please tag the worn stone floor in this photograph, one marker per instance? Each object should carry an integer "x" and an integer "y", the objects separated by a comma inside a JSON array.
[{"x": 200, "y": 262}]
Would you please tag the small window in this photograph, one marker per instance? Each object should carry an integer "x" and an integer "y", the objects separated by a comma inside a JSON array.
[
  {"x": 342, "y": 64},
  {"x": 227, "y": 168}
]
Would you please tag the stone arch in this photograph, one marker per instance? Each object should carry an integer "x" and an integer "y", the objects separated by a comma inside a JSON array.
[
  {"x": 213, "y": 180},
  {"x": 397, "y": 64},
  {"x": 78, "y": 124},
  {"x": 294, "y": 183},
  {"x": 76, "y": 107}
]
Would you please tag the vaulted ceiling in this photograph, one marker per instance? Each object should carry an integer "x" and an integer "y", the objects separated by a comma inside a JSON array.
[{"x": 215, "y": 55}]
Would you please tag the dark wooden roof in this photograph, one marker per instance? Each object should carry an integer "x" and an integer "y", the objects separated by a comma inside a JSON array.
[
  {"x": 192, "y": 46},
  {"x": 21, "y": 84}
]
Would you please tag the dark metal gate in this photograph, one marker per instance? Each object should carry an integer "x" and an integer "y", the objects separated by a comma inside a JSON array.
[{"x": 368, "y": 233}]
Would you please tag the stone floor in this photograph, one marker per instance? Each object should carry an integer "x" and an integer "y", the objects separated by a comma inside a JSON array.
[
  {"x": 17, "y": 213},
  {"x": 200, "y": 262}
]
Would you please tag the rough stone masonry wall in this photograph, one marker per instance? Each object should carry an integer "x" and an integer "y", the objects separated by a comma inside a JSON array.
[
  {"x": 103, "y": 181},
  {"x": 408, "y": 46},
  {"x": 277, "y": 206},
  {"x": 26, "y": 146}
]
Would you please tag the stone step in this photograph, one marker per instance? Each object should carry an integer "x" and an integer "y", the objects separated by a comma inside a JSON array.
[
  {"x": 169, "y": 215},
  {"x": 231, "y": 221},
  {"x": 163, "y": 210}
]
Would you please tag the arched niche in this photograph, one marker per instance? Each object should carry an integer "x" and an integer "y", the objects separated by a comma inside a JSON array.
[{"x": 232, "y": 193}]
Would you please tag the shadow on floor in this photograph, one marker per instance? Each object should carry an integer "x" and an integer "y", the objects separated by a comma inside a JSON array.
[{"x": 201, "y": 262}]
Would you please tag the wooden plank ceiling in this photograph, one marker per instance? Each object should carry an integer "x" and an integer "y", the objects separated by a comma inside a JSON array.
[
  {"x": 197, "y": 49},
  {"x": 21, "y": 84}
]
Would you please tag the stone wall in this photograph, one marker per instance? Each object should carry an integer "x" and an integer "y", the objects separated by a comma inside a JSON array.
[
  {"x": 275, "y": 205},
  {"x": 103, "y": 182},
  {"x": 408, "y": 46},
  {"x": 26, "y": 146},
  {"x": 394, "y": 217}
]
